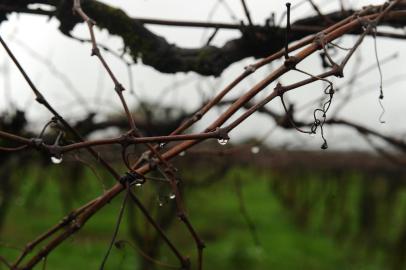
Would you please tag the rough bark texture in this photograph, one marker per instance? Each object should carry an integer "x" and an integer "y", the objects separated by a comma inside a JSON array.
[{"x": 157, "y": 52}]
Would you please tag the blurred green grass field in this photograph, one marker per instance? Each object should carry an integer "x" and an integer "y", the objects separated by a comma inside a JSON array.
[{"x": 214, "y": 211}]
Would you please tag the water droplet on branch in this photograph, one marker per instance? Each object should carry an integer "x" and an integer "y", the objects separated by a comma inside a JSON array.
[
  {"x": 223, "y": 141},
  {"x": 172, "y": 196},
  {"x": 56, "y": 160},
  {"x": 162, "y": 200}
]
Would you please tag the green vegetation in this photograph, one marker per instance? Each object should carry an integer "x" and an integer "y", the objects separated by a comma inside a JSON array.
[{"x": 294, "y": 216}]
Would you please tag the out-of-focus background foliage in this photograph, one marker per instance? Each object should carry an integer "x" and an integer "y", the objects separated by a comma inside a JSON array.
[
  {"x": 274, "y": 205},
  {"x": 305, "y": 212}
]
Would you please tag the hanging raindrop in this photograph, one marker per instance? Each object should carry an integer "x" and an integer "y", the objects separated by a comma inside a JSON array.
[
  {"x": 182, "y": 153},
  {"x": 56, "y": 160},
  {"x": 255, "y": 150},
  {"x": 162, "y": 145},
  {"x": 223, "y": 141},
  {"x": 324, "y": 146},
  {"x": 172, "y": 196},
  {"x": 162, "y": 200},
  {"x": 138, "y": 184}
]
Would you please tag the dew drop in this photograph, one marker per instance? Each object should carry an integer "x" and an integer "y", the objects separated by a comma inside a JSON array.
[
  {"x": 56, "y": 160},
  {"x": 162, "y": 145},
  {"x": 182, "y": 153},
  {"x": 172, "y": 196},
  {"x": 161, "y": 200},
  {"x": 138, "y": 184},
  {"x": 223, "y": 141},
  {"x": 255, "y": 150},
  {"x": 324, "y": 146}
]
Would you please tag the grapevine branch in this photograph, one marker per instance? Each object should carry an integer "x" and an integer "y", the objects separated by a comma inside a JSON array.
[{"x": 364, "y": 21}]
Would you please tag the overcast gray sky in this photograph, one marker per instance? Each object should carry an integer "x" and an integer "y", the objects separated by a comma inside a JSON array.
[{"x": 41, "y": 49}]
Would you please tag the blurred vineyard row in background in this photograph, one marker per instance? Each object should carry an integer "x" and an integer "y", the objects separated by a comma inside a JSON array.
[{"x": 330, "y": 212}]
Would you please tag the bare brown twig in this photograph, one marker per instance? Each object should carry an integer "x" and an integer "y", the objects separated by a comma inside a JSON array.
[{"x": 364, "y": 21}]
